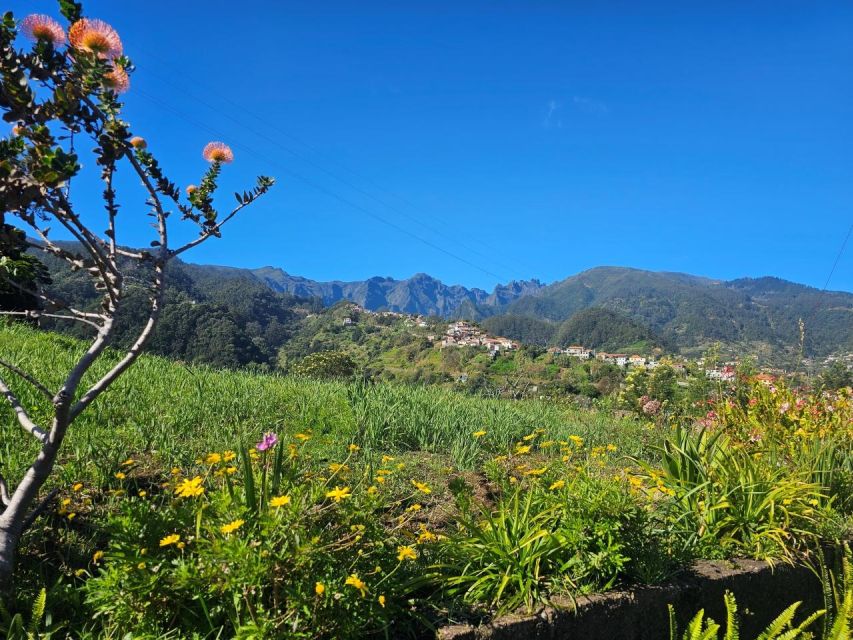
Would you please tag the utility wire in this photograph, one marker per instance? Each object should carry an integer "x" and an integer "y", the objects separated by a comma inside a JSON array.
[
  {"x": 838, "y": 257},
  {"x": 268, "y": 126},
  {"x": 183, "y": 115}
]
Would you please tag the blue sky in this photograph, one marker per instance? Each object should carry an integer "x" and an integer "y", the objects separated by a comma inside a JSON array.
[{"x": 505, "y": 140}]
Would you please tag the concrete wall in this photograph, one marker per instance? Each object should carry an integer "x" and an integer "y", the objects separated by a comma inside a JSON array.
[{"x": 762, "y": 593}]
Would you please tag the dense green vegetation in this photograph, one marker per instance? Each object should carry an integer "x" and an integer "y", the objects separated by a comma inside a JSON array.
[
  {"x": 221, "y": 321},
  {"x": 383, "y": 509},
  {"x": 255, "y": 313},
  {"x": 758, "y": 317}
]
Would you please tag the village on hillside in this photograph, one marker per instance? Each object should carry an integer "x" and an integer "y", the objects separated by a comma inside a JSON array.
[{"x": 463, "y": 333}]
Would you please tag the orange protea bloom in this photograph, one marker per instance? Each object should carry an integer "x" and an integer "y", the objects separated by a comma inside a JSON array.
[
  {"x": 138, "y": 142},
  {"x": 191, "y": 189},
  {"x": 41, "y": 27},
  {"x": 218, "y": 152},
  {"x": 117, "y": 79},
  {"x": 95, "y": 36}
]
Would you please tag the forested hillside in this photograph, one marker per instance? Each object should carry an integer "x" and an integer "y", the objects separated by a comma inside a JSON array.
[{"x": 232, "y": 317}]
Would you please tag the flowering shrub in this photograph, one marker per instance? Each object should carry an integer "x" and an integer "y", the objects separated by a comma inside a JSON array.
[{"x": 264, "y": 545}]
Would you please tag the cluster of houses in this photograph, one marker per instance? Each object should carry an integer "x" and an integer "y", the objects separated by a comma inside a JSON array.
[
  {"x": 619, "y": 359},
  {"x": 464, "y": 334}
]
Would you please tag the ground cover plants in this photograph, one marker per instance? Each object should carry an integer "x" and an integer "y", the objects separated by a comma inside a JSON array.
[{"x": 221, "y": 503}]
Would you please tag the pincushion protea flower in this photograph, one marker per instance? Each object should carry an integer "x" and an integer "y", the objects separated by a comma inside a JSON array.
[
  {"x": 117, "y": 79},
  {"x": 38, "y": 26},
  {"x": 95, "y": 36},
  {"x": 218, "y": 152},
  {"x": 138, "y": 142}
]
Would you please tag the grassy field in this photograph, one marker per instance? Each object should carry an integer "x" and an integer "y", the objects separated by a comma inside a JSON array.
[
  {"x": 176, "y": 413},
  {"x": 384, "y": 510}
]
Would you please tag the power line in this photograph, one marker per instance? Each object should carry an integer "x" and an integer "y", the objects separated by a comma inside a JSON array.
[
  {"x": 315, "y": 185},
  {"x": 271, "y": 126},
  {"x": 838, "y": 257}
]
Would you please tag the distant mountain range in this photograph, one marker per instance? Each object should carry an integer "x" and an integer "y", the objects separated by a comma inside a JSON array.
[
  {"x": 624, "y": 307},
  {"x": 419, "y": 294},
  {"x": 755, "y": 315}
]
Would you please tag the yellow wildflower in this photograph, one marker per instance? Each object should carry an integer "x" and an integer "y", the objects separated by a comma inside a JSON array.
[
  {"x": 302, "y": 436},
  {"x": 357, "y": 583},
  {"x": 426, "y": 536},
  {"x": 319, "y": 588},
  {"x": 406, "y": 553},
  {"x": 415, "y": 507},
  {"x": 536, "y": 472},
  {"x": 387, "y": 459},
  {"x": 380, "y": 479},
  {"x": 190, "y": 488},
  {"x": 529, "y": 437},
  {"x": 72, "y": 515},
  {"x": 231, "y": 527},
  {"x": 66, "y": 502},
  {"x": 576, "y": 440},
  {"x": 176, "y": 471},
  {"x": 479, "y": 434},
  {"x": 77, "y": 486},
  {"x": 420, "y": 486},
  {"x": 96, "y": 557},
  {"x": 372, "y": 490},
  {"x": 142, "y": 493},
  {"x": 228, "y": 456},
  {"x": 559, "y": 484},
  {"x": 279, "y": 501},
  {"x": 381, "y": 600},
  {"x": 170, "y": 539},
  {"x": 521, "y": 449},
  {"x": 231, "y": 470},
  {"x": 353, "y": 448},
  {"x": 339, "y": 493},
  {"x": 119, "y": 475},
  {"x": 335, "y": 467},
  {"x": 213, "y": 458},
  {"x": 128, "y": 462}
]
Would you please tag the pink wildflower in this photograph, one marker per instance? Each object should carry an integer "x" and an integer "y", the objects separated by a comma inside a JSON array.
[{"x": 267, "y": 442}]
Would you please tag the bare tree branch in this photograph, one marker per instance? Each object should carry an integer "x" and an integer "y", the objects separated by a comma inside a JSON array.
[
  {"x": 4, "y": 491},
  {"x": 36, "y": 314},
  {"x": 208, "y": 233},
  {"x": 132, "y": 353},
  {"x": 53, "y": 302},
  {"x": 23, "y": 417},
  {"x": 26, "y": 376},
  {"x": 35, "y": 513}
]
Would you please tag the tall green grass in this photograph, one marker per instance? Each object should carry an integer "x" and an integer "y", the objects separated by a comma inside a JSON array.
[{"x": 174, "y": 413}]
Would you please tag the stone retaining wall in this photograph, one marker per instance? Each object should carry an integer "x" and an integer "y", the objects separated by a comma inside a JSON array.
[{"x": 641, "y": 614}]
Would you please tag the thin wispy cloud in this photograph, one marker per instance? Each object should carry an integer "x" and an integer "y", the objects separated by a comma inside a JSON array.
[
  {"x": 552, "y": 116},
  {"x": 590, "y": 106}
]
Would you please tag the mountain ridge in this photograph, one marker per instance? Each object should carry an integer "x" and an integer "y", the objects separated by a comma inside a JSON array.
[{"x": 759, "y": 315}]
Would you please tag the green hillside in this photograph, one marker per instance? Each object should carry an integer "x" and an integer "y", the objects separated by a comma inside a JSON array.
[{"x": 747, "y": 316}]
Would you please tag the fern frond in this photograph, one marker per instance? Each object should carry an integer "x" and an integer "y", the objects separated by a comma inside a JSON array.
[{"x": 39, "y": 606}]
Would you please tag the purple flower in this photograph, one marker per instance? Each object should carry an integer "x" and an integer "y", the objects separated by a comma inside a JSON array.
[{"x": 267, "y": 442}]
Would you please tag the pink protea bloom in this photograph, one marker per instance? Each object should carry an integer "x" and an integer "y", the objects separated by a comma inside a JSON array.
[
  {"x": 191, "y": 189},
  {"x": 218, "y": 152},
  {"x": 95, "y": 36},
  {"x": 38, "y": 26},
  {"x": 117, "y": 79},
  {"x": 138, "y": 142},
  {"x": 267, "y": 442}
]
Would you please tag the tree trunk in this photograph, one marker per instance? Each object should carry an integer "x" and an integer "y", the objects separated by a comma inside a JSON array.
[{"x": 10, "y": 536}]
